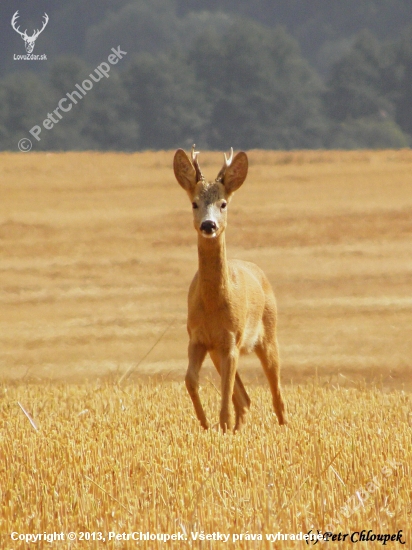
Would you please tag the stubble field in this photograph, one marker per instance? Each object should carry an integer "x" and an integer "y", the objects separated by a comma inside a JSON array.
[{"x": 97, "y": 253}]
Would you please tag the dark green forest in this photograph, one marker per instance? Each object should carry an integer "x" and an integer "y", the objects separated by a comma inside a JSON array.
[{"x": 271, "y": 74}]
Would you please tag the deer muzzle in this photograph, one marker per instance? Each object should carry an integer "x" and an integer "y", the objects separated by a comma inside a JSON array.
[{"x": 208, "y": 227}]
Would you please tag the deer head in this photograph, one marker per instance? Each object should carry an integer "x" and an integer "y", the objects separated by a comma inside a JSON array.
[
  {"x": 210, "y": 199},
  {"x": 28, "y": 40}
]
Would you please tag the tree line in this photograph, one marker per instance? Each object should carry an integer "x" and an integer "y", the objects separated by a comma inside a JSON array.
[{"x": 231, "y": 81}]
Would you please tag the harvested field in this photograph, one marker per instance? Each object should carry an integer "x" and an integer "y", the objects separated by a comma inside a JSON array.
[
  {"x": 133, "y": 459},
  {"x": 98, "y": 251}
]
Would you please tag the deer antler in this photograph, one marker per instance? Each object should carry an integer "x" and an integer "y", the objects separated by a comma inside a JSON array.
[
  {"x": 36, "y": 33},
  {"x": 199, "y": 175},
  {"x": 226, "y": 164},
  {"x": 228, "y": 161},
  {"x": 13, "y": 24}
]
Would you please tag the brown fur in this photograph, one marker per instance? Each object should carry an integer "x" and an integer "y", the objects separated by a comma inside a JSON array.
[{"x": 231, "y": 305}]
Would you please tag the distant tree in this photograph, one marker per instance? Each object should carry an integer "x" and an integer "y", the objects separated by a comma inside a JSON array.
[
  {"x": 140, "y": 26},
  {"x": 356, "y": 85},
  {"x": 24, "y": 99},
  {"x": 68, "y": 133},
  {"x": 399, "y": 81},
  {"x": 196, "y": 23},
  {"x": 107, "y": 122},
  {"x": 4, "y": 137},
  {"x": 320, "y": 26},
  {"x": 368, "y": 133},
  {"x": 97, "y": 121},
  {"x": 316, "y": 23},
  {"x": 166, "y": 101},
  {"x": 70, "y": 23},
  {"x": 369, "y": 94},
  {"x": 65, "y": 72},
  {"x": 209, "y": 76},
  {"x": 263, "y": 92}
]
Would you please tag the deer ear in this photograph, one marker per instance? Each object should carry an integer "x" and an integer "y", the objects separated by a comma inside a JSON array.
[
  {"x": 235, "y": 174},
  {"x": 184, "y": 171}
]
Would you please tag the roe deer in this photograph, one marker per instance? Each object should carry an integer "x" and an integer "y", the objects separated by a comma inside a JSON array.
[{"x": 231, "y": 305}]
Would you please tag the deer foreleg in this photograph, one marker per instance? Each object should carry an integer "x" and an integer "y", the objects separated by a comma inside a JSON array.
[
  {"x": 197, "y": 353},
  {"x": 228, "y": 376}
]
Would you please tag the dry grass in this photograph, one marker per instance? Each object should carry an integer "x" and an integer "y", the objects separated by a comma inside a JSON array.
[
  {"x": 129, "y": 459},
  {"x": 97, "y": 255}
]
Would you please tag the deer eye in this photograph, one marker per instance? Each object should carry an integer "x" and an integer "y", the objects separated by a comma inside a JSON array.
[
  {"x": 223, "y": 205},
  {"x": 194, "y": 204}
]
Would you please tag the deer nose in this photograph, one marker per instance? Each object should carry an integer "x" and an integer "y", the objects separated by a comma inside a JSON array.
[{"x": 208, "y": 227}]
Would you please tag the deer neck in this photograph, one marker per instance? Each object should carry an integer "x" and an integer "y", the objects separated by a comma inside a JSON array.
[{"x": 213, "y": 269}]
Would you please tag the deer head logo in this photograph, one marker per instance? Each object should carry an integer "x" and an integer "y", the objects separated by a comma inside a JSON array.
[{"x": 29, "y": 40}]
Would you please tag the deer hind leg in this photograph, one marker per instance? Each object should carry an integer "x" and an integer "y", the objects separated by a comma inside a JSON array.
[
  {"x": 269, "y": 357},
  {"x": 197, "y": 353},
  {"x": 241, "y": 401},
  {"x": 240, "y": 398}
]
